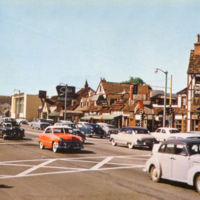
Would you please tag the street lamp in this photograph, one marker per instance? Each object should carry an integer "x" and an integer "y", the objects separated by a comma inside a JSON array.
[
  {"x": 164, "y": 114},
  {"x": 65, "y": 99},
  {"x": 18, "y": 100}
]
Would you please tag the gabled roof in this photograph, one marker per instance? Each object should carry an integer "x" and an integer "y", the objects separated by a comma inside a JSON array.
[
  {"x": 194, "y": 63},
  {"x": 115, "y": 88},
  {"x": 184, "y": 91}
]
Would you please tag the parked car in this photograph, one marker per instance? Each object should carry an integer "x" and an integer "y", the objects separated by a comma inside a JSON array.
[
  {"x": 177, "y": 160},
  {"x": 163, "y": 133},
  {"x": 133, "y": 136},
  {"x": 60, "y": 137},
  {"x": 51, "y": 121},
  {"x": 91, "y": 129},
  {"x": 22, "y": 120},
  {"x": 108, "y": 128},
  {"x": 11, "y": 129},
  {"x": 76, "y": 130},
  {"x": 185, "y": 136},
  {"x": 40, "y": 124}
]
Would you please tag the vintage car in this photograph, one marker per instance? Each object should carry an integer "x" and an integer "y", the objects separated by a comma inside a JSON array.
[
  {"x": 163, "y": 133},
  {"x": 90, "y": 129},
  {"x": 185, "y": 136},
  {"x": 40, "y": 124},
  {"x": 108, "y": 128},
  {"x": 133, "y": 136},
  {"x": 22, "y": 120},
  {"x": 176, "y": 160},
  {"x": 76, "y": 130},
  {"x": 11, "y": 129},
  {"x": 60, "y": 137}
]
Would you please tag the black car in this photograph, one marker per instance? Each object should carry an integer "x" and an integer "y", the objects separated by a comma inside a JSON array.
[{"x": 11, "y": 129}]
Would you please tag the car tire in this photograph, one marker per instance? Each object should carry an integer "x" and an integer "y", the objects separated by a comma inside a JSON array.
[
  {"x": 55, "y": 147},
  {"x": 154, "y": 173},
  {"x": 32, "y": 127},
  {"x": 4, "y": 136},
  {"x": 130, "y": 145},
  {"x": 114, "y": 143},
  {"x": 197, "y": 183},
  {"x": 41, "y": 145}
]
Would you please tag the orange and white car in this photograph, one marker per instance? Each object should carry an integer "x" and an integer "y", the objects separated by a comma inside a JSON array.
[{"x": 59, "y": 137}]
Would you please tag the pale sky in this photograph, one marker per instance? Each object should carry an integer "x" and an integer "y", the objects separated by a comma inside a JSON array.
[{"x": 45, "y": 42}]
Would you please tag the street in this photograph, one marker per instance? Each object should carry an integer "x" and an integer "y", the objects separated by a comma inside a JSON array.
[{"x": 99, "y": 171}]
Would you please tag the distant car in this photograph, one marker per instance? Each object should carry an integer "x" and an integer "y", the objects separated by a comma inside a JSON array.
[
  {"x": 40, "y": 124},
  {"x": 11, "y": 129},
  {"x": 185, "y": 136},
  {"x": 59, "y": 137},
  {"x": 108, "y": 128},
  {"x": 50, "y": 121},
  {"x": 91, "y": 129},
  {"x": 176, "y": 160},
  {"x": 22, "y": 120},
  {"x": 133, "y": 136},
  {"x": 74, "y": 127},
  {"x": 163, "y": 133}
]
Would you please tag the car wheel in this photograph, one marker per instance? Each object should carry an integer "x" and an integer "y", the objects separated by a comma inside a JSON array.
[
  {"x": 41, "y": 145},
  {"x": 154, "y": 173},
  {"x": 4, "y": 136},
  {"x": 197, "y": 183},
  {"x": 114, "y": 143},
  {"x": 55, "y": 147},
  {"x": 32, "y": 127},
  {"x": 130, "y": 145}
]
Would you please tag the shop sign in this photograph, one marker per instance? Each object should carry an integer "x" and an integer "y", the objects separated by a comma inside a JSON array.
[
  {"x": 61, "y": 90},
  {"x": 194, "y": 116}
]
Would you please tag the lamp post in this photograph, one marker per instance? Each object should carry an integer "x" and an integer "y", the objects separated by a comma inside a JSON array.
[
  {"x": 65, "y": 99},
  {"x": 164, "y": 114},
  {"x": 18, "y": 100}
]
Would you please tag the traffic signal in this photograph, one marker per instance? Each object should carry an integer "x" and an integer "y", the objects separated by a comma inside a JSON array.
[{"x": 135, "y": 89}]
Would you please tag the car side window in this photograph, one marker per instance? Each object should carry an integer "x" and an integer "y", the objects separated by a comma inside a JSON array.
[
  {"x": 180, "y": 149},
  {"x": 167, "y": 148},
  {"x": 163, "y": 131}
]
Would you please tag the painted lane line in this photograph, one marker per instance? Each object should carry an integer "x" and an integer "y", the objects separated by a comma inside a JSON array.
[
  {"x": 102, "y": 163},
  {"x": 35, "y": 168}
]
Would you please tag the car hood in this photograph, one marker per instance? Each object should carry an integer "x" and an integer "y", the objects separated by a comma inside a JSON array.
[{"x": 68, "y": 137}]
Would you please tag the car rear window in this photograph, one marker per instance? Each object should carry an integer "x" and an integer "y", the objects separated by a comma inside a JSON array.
[{"x": 174, "y": 131}]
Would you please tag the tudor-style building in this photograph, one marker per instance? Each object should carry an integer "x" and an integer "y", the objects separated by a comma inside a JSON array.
[{"x": 193, "y": 89}]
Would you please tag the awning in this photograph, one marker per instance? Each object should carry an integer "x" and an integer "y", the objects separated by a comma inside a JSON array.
[
  {"x": 55, "y": 114},
  {"x": 110, "y": 117},
  {"x": 95, "y": 97},
  {"x": 5, "y": 111},
  {"x": 86, "y": 117}
]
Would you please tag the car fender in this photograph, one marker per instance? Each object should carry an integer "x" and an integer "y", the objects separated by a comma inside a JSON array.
[
  {"x": 191, "y": 174},
  {"x": 153, "y": 161}
]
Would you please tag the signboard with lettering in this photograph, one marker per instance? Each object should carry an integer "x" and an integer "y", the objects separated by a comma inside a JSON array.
[{"x": 61, "y": 90}]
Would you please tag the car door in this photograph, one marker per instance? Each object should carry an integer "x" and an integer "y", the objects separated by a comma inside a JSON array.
[
  {"x": 180, "y": 163},
  {"x": 167, "y": 151},
  {"x": 47, "y": 137}
]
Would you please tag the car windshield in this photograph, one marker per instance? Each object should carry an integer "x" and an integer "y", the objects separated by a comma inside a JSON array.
[
  {"x": 42, "y": 120},
  {"x": 174, "y": 131},
  {"x": 10, "y": 123},
  {"x": 72, "y": 125},
  {"x": 62, "y": 130}
]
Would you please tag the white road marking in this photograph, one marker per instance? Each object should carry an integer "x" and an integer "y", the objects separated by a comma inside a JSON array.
[
  {"x": 35, "y": 167},
  {"x": 101, "y": 163},
  {"x": 44, "y": 162}
]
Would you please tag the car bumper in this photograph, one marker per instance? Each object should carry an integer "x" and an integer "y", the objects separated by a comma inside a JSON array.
[
  {"x": 14, "y": 136},
  {"x": 64, "y": 145},
  {"x": 146, "y": 143}
]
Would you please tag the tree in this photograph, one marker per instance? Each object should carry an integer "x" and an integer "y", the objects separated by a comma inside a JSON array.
[{"x": 135, "y": 80}]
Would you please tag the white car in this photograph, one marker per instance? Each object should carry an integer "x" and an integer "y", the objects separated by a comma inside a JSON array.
[
  {"x": 176, "y": 160},
  {"x": 133, "y": 136},
  {"x": 185, "y": 136},
  {"x": 163, "y": 133},
  {"x": 108, "y": 128}
]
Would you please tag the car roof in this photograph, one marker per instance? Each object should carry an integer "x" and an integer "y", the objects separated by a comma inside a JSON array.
[
  {"x": 167, "y": 128},
  {"x": 135, "y": 128},
  {"x": 59, "y": 127},
  {"x": 182, "y": 141}
]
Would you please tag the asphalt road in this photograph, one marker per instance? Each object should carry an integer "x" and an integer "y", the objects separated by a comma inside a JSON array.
[{"x": 100, "y": 171}]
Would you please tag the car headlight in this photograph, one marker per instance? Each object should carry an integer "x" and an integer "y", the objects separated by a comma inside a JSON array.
[
  {"x": 60, "y": 140},
  {"x": 81, "y": 140}
]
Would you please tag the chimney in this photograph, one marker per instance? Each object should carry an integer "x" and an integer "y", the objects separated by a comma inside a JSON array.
[{"x": 197, "y": 46}]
